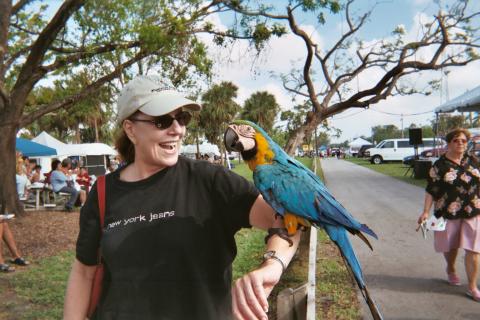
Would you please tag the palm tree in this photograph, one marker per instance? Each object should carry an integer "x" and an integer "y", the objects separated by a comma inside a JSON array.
[
  {"x": 219, "y": 109},
  {"x": 261, "y": 108}
]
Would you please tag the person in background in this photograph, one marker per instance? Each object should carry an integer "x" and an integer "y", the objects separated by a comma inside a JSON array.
[
  {"x": 61, "y": 182},
  {"x": 168, "y": 243},
  {"x": 54, "y": 165},
  {"x": 7, "y": 237},
  {"x": 36, "y": 174},
  {"x": 454, "y": 189},
  {"x": 21, "y": 179},
  {"x": 83, "y": 179}
]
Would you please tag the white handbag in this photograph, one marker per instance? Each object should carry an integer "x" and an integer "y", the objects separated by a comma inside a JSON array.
[{"x": 435, "y": 224}]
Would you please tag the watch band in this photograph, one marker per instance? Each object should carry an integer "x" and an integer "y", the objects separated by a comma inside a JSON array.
[{"x": 271, "y": 255}]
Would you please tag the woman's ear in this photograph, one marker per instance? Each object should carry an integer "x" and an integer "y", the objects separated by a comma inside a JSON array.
[{"x": 129, "y": 130}]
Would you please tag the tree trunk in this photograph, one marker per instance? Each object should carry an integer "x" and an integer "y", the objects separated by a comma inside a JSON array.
[
  {"x": 299, "y": 135},
  {"x": 197, "y": 142},
  {"x": 95, "y": 125},
  {"x": 8, "y": 188},
  {"x": 77, "y": 133}
]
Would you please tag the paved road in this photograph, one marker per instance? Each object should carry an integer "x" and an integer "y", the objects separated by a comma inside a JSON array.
[{"x": 404, "y": 274}]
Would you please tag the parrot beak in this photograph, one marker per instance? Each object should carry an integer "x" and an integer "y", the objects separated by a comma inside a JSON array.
[{"x": 232, "y": 141}]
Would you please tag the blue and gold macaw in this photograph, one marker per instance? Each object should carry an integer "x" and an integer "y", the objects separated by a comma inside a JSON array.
[{"x": 298, "y": 195}]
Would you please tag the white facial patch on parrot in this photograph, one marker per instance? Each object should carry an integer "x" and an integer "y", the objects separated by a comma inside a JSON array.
[
  {"x": 246, "y": 135},
  {"x": 245, "y": 131}
]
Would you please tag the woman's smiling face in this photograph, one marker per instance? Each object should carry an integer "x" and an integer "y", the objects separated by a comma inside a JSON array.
[{"x": 153, "y": 146}]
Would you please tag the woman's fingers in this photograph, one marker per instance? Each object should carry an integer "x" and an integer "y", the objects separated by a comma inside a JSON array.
[{"x": 249, "y": 300}]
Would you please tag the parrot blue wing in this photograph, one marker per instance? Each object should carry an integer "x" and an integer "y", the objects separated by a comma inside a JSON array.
[{"x": 297, "y": 190}]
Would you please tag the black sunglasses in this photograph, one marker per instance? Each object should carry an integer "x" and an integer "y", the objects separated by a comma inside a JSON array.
[{"x": 163, "y": 122}]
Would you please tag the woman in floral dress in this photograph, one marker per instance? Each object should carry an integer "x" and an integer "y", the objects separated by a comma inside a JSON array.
[{"x": 453, "y": 189}]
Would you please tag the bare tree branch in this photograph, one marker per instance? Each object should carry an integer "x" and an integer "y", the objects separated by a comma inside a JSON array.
[
  {"x": 19, "y": 6},
  {"x": 308, "y": 60}
]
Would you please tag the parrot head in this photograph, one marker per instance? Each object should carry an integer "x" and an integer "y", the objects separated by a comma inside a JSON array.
[{"x": 253, "y": 143}]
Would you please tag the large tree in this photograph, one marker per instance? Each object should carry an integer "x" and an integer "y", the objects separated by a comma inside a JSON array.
[
  {"x": 330, "y": 75},
  {"x": 113, "y": 39}
]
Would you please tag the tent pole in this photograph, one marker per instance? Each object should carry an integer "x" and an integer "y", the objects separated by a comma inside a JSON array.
[{"x": 436, "y": 132}]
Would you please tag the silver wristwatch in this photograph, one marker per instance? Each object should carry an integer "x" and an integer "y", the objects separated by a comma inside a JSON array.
[{"x": 271, "y": 255}]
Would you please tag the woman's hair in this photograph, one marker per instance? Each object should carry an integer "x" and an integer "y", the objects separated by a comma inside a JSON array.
[
  {"x": 456, "y": 132},
  {"x": 66, "y": 162},
  {"x": 125, "y": 147},
  {"x": 19, "y": 166},
  {"x": 55, "y": 163}
]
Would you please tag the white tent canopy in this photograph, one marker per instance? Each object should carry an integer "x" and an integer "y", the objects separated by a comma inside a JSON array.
[
  {"x": 83, "y": 149},
  {"x": 204, "y": 148},
  {"x": 469, "y": 101},
  {"x": 49, "y": 141},
  {"x": 92, "y": 149},
  {"x": 357, "y": 143}
]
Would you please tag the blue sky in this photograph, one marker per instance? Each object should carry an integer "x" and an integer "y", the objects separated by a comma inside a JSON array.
[
  {"x": 254, "y": 74},
  {"x": 279, "y": 54}
]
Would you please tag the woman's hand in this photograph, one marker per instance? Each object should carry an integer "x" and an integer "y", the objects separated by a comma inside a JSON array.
[
  {"x": 250, "y": 292},
  {"x": 423, "y": 217}
]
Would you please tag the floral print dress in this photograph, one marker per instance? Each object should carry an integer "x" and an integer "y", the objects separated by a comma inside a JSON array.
[{"x": 455, "y": 188}]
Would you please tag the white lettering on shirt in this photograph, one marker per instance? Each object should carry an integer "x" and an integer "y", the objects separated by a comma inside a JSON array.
[{"x": 141, "y": 218}]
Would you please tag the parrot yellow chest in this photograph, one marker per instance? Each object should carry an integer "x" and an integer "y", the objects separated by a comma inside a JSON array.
[{"x": 264, "y": 154}]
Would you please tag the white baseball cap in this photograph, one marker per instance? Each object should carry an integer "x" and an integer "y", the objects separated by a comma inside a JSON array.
[{"x": 148, "y": 95}]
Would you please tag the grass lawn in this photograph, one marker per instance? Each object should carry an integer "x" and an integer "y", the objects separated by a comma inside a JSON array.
[
  {"x": 393, "y": 169},
  {"x": 42, "y": 287}
]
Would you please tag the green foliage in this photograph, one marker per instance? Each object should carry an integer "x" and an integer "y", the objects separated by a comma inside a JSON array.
[
  {"x": 262, "y": 109},
  {"x": 447, "y": 122},
  {"x": 219, "y": 109},
  {"x": 93, "y": 112},
  {"x": 383, "y": 132}
]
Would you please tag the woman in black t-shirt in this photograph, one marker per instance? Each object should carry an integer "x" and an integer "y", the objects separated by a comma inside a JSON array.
[
  {"x": 168, "y": 237},
  {"x": 453, "y": 188}
]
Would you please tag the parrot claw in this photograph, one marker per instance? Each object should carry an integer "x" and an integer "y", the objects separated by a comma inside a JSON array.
[
  {"x": 281, "y": 232},
  {"x": 302, "y": 228}
]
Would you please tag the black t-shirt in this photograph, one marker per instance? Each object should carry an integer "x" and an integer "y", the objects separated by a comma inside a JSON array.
[{"x": 168, "y": 241}]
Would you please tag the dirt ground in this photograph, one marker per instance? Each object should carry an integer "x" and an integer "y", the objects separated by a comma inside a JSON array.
[{"x": 40, "y": 234}]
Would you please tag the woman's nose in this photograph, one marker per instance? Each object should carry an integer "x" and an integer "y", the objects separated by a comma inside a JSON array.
[{"x": 176, "y": 127}]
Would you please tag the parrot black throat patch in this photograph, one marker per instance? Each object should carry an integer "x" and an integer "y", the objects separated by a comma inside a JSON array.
[{"x": 250, "y": 154}]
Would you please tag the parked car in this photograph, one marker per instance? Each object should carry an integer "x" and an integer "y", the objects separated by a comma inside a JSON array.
[
  {"x": 398, "y": 149},
  {"x": 426, "y": 154},
  {"x": 363, "y": 148},
  {"x": 434, "y": 152}
]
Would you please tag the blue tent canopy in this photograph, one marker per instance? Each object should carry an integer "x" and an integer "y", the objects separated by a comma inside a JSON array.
[{"x": 32, "y": 149}]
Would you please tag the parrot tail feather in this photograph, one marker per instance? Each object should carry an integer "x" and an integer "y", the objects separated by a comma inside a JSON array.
[
  {"x": 371, "y": 304},
  {"x": 362, "y": 236},
  {"x": 367, "y": 230},
  {"x": 374, "y": 310}
]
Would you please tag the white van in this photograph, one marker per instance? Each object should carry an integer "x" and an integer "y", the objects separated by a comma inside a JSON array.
[{"x": 397, "y": 149}]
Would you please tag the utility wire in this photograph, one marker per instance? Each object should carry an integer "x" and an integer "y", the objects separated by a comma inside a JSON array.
[{"x": 402, "y": 114}]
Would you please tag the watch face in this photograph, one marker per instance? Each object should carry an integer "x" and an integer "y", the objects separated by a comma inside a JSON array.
[{"x": 268, "y": 254}]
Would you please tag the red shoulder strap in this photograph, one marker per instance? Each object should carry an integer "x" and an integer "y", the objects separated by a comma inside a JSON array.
[{"x": 101, "y": 199}]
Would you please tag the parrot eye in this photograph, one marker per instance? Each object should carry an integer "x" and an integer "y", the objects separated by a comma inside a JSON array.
[{"x": 246, "y": 131}]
